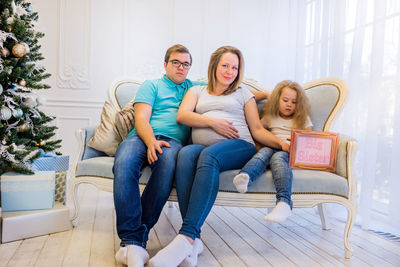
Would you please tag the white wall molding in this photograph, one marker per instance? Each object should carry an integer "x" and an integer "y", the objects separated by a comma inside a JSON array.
[
  {"x": 74, "y": 103},
  {"x": 74, "y": 71}
]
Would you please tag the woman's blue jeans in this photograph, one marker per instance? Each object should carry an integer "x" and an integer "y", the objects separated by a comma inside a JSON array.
[
  {"x": 197, "y": 178},
  {"x": 136, "y": 214},
  {"x": 281, "y": 172}
]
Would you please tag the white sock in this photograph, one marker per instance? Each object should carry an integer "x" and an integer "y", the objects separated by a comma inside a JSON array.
[
  {"x": 132, "y": 255},
  {"x": 191, "y": 260},
  {"x": 173, "y": 254},
  {"x": 280, "y": 213},
  {"x": 241, "y": 181},
  {"x": 121, "y": 256}
]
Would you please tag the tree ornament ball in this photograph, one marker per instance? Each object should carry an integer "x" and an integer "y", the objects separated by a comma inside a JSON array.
[
  {"x": 4, "y": 52},
  {"x": 5, "y": 113},
  {"x": 42, "y": 143},
  {"x": 24, "y": 127},
  {"x": 22, "y": 82},
  {"x": 10, "y": 20},
  {"x": 29, "y": 102},
  {"x": 17, "y": 113},
  {"x": 19, "y": 50},
  {"x": 1, "y": 88},
  {"x": 26, "y": 47}
]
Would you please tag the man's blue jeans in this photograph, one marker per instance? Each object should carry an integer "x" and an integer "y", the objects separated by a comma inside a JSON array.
[
  {"x": 137, "y": 215},
  {"x": 197, "y": 178},
  {"x": 281, "y": 172}
]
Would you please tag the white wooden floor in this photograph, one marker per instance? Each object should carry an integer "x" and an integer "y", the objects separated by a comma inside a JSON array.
[{"x": 232, "y": 237}]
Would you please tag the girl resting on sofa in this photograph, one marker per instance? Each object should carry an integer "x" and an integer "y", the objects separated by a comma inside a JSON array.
[
  {"x": 287, "y": 108},
  {"x": 225, "y": 120}
]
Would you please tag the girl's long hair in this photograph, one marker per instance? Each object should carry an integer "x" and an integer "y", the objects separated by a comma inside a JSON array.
[{"x": 302, "y": 111}]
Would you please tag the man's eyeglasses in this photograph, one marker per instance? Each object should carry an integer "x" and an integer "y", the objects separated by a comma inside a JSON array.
[{"x": 177, "y": 64}]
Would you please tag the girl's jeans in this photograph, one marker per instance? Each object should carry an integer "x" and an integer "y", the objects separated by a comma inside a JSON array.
[
  {"x": 281, "y": 172},
  {"x": 197, "y": 178},
  {"x": 137, "y": 215}
]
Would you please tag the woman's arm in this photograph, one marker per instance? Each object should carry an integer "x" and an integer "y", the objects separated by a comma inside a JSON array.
[
  {"x": 259, "y": 95},
  {"x": 259, "y": 133},
  {"x": 187, "y": 116}
]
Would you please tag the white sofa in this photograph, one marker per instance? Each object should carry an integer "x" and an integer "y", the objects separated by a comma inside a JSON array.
[{"x": 310, "y": 187}]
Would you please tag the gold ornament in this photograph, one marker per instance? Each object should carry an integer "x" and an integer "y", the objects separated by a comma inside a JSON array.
[
  {"x": 22, "y": 82},
  {"x": 4, "y": 52},
  {"x": 24, "y": 127},
  {"x": 19, "y": 50},
  {"x": 42, "y": 143}
]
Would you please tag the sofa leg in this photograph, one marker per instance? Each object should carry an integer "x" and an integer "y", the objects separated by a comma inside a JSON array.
[
  {"x": 323, "y": 216},
  {"x": 351, "y": 212},
  {"x": 74, "y": 193}
]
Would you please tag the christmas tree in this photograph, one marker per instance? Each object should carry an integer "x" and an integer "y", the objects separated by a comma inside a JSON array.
[{"x": 25, "y": 130}]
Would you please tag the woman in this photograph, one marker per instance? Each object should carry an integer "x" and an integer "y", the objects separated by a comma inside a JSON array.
[{"x": 221, "y": 114}]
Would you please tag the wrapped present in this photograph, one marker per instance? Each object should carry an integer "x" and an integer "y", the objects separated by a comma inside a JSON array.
[
  {"x": 24, "y": 224},
  {"x": 61, "y": 178},
  {"x": 50, "y": 162},
  {"x": 27, "y": 192}
]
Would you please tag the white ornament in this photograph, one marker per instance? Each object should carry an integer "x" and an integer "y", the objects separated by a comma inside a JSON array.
[
  {"x": 29, "y": 102},
  {"x": 10, "y": 20},
  {"x": 1, "y": 88},
  {"x": 5, "y": 113},
  {"x": 41, "y": 100}
]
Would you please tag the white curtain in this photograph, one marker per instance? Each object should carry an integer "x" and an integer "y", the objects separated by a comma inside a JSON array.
[{"x": 358, "y": 41}]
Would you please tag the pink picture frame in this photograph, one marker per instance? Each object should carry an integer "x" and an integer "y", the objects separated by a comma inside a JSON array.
[{"x": 313, "y": 150}]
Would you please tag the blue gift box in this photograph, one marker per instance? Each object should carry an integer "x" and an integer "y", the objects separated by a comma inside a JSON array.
[
  {"x": 27, "y": 192},
  {"x": 51, "y": 162}
]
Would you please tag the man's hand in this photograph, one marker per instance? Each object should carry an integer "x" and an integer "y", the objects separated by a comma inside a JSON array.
[
  {"x": 225, "y": 128},
  {"x": 155, "y": 147}
]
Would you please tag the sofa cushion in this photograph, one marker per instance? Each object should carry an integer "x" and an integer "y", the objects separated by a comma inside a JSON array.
[
  {"x": 304, "y": 181},
  {"x": 105, "y": 137}
]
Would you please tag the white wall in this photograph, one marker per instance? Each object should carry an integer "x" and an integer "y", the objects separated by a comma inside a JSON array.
[{"x": 90, "y": 43}]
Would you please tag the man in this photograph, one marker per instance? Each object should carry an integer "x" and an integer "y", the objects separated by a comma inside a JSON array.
[{"x": 155, "y": 140}]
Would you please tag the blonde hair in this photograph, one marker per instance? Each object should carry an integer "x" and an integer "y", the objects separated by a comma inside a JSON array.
[
  {"x": 212, "y": 69},
  {"x": 301, "y": 113}
]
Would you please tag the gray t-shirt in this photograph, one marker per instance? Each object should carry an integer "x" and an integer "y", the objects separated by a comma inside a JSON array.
[{"x": 228, "y": 107}]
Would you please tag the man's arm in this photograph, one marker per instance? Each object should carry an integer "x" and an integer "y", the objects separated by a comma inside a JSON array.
[
  {"x": 259, "y": 95},
  {"x": 143, "y": 128}
]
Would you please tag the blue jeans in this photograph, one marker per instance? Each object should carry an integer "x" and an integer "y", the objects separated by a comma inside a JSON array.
[
  {"x": 281, "y": 172},
  {"x": 136, "y": 214},
  {"x": 197, "y": 178}
]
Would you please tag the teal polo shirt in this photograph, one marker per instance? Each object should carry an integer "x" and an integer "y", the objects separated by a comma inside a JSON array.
[{"x": 165, "y": 97}]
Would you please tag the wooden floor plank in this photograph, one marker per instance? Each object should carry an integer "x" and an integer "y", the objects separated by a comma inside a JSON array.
[
  {"x": 28, "y": 252},
  {"x": 102, "y": 244},
  {"x": 265, "y": 249},
  {"x": 78, "y": 252},
  {"x": 232, "y": 237},
  {"x": 373, "y": 252},
  {"x": 7, "y": 251},
  {"x": 53, "y": 252}
]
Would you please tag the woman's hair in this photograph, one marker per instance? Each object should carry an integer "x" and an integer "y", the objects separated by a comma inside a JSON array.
[
  {"x": 212, "y": 69},
  {"x": 302, "y": 111},
  {"x": 178, "y": 48}
]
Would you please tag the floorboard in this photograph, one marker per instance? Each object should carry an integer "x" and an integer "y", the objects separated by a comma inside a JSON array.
[{"x": 232, "y": 236}]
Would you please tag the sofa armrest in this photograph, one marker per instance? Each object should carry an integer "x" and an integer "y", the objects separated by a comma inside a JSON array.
[
  {"x": 85, "y": 152},
  {"x": 344, "y": 158}
]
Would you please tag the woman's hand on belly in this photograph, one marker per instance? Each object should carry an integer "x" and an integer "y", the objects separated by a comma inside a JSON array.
[{"x": 224, "y": 128}]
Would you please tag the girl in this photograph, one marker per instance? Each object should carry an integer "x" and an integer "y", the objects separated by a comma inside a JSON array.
[{"x": 287, "y": 108}]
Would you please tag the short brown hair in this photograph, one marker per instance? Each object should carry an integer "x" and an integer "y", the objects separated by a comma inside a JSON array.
[
  {"x": 212, "y": 69},
  {"x": 178, "y": 48}
]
